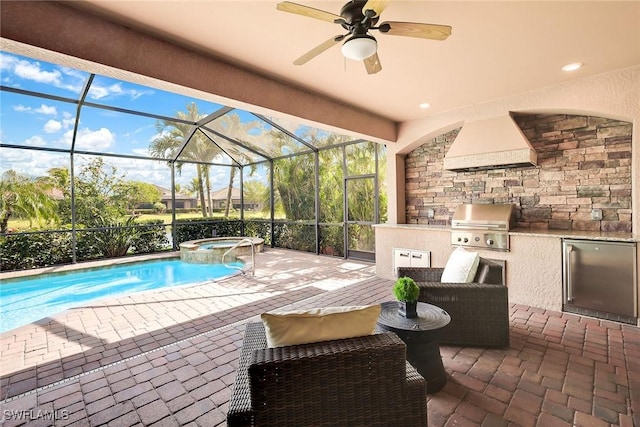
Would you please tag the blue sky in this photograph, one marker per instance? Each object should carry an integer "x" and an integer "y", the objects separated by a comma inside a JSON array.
[{"x": 40, "y": 122}]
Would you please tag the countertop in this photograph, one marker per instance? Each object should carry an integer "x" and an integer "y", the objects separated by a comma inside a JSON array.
[
  {"x": 576, "y": 234},
  {"x": 559, "y": 234}
]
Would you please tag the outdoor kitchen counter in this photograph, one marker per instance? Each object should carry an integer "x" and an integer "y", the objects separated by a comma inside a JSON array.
[{"x": 533, "y": 263}]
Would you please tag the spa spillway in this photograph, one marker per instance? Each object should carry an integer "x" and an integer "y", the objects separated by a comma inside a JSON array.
[{"x": 210, "y": 251}]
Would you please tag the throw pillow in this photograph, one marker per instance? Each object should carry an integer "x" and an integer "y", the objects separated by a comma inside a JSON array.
[
  {"x": 461, "y": 266},
  {"x": 320, "y": 324}
]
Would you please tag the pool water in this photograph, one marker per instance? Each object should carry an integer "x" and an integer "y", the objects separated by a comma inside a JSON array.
[{"x": 25, "y": 300}]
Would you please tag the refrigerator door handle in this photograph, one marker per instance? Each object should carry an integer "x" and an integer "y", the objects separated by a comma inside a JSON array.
[{"x": 568, "y": 284}]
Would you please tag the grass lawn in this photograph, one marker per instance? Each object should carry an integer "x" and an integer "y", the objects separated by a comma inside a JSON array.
[{"x": 25, "y": 225}]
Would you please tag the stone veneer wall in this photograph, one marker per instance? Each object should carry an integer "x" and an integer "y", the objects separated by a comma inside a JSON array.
[{"x": 584, "y": 163}]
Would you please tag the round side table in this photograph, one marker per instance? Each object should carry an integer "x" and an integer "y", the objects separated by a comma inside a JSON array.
[{"x": 420, "y": 334}]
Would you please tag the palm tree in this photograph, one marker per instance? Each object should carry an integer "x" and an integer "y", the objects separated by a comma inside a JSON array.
[
  {"x": 192, "y": 187},
  {"x": 199, "y": 148},
  {"x": 249, "y": 133},
  {"x": 59, "y": 178},
  {"x": 24, "y": 197}
]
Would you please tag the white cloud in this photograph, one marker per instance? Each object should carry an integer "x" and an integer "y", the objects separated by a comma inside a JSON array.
[
  {"x": 98, "y": 140},
  {"x": 52, "y": 126},
  {"x": 35, "y": 141},
  {"x": 31, "y": 71},
  {"x": 7, "y": 61},
  {"x": 68, "y": 121},
  {"x": 21, "y": 108},
  {"x": 47, "y": 110},
  {"x": 144, "y": 152},
  {"x": 98, "y": 92},
  {"x": 60, "y": 77},
  {"x": 115, "y": 90},
  {"x": 135, "y": 94},
  {"x": 32, "y": 162}
]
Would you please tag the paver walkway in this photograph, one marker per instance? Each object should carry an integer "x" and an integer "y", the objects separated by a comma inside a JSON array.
[{"x": 168, "y": 357}]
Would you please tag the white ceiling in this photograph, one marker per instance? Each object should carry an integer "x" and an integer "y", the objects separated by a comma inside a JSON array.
[{"x": 497, "y": 48}]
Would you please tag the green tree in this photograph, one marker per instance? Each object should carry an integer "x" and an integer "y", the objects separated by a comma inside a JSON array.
[
  {"x": 139, "y": 193},
  {"x": 104, "y": 200},
  {"x": 255, "y": 193},
  {"x": 100, "y": 193},
  {"x": 60, "y": 178},
  {"x": 331, "y": 185},
  {"x": 24, "y": 197},
  {"x": 295, "y": 183},
  {"x": 294, "y": 177}
]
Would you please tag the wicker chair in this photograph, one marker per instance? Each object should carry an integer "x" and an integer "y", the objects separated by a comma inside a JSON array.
[
  {"x": 479, "y": 310},
  {"x": 363, "y": 381}
]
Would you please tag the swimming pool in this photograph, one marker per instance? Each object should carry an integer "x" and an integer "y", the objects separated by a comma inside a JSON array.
[{"x": 25, "y": 300}]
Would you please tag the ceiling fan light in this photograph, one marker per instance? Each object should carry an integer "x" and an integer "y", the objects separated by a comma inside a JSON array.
[{"x": 359, "y": 47}]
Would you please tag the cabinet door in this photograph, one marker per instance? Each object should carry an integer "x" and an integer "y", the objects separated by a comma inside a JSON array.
[
  {"x": 420, "y": 259},
  {"x": 401, "y": 258}
]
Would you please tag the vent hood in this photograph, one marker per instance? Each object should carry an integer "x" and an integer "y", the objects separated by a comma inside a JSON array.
[{"x": 490, "y": 144}]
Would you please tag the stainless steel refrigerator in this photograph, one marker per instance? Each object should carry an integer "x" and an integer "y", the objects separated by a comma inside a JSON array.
[{"x": 599, "y": 279}]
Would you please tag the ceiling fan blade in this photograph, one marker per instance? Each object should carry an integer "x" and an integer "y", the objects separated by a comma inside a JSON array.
[
  {"x": 377, "y": 5},
  {"x": 287, "y": 6},
  {"x": 372, "y": 64},
  {"x": 318, "y": 50},
  {"x": 414, "y": 29}
]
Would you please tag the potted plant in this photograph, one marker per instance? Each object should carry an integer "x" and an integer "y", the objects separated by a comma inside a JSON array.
[{"x": 406, "y": 292}]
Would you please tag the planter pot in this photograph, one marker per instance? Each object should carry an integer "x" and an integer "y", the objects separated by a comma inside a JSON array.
[{"x": 408, "y": 309}]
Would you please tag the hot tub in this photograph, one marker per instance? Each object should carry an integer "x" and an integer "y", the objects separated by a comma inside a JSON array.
[{"x": 210, "y": 251}]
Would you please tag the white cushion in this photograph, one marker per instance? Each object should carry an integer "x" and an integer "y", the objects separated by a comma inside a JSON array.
[
  {"x": 461, "y": 266},
  {"x": 319, "y": 324}
]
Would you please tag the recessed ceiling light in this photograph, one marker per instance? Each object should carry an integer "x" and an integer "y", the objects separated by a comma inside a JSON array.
[
  {"x": 424, "y": 105},
  {"x": 572, "y": 67}
]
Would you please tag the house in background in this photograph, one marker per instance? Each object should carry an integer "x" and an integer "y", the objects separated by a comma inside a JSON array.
[
  {"x": 219, "y": 200},
  {"x": 182, "y": 201}
]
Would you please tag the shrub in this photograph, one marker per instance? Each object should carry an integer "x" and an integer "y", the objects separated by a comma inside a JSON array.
[
  {"x": 23, "y": 251},
  {"x": 153, "y": 237},
  {"x": 196, "y": 228}
]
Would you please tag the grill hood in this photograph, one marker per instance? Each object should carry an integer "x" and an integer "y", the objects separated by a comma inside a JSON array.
[{"x": 490, "y": 144}]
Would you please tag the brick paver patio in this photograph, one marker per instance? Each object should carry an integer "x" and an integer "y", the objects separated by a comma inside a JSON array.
[{"x": 168, "y": 358}]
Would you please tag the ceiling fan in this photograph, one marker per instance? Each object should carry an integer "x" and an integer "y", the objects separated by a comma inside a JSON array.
[{"x": 359, "y": 17}]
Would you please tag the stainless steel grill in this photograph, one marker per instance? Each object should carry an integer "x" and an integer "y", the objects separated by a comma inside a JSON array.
[{"x": 482, "y": 226}]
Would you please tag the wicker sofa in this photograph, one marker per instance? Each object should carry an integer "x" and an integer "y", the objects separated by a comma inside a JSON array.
[
  {"x": 479, "y": 310},
  {"x": 363, "y": 381}
]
